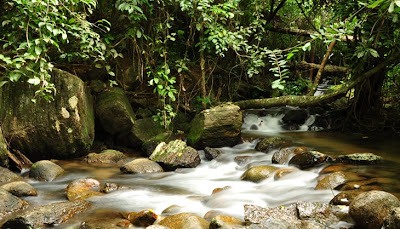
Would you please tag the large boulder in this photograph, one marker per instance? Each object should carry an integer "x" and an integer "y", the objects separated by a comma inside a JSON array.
[
  {"x": 185, "y": 221},
  {"x": 145, "y": 130},
  {"x": 51, "y": 214},
  {"x": 9, "y": 203},
  {"x": 216, "y": 127},
  {"x": 114, "y": 111},
  {"x": 3, "y": 150},
  {"x": 369, "y": 209},
  {"x": 392, "y": 221},
  {"x": 63, "y": 128},
  {"x": 176, "y": 154},
  {"x": 45, "y": 170}
]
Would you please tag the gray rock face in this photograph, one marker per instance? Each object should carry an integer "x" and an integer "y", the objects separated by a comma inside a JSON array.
[
  {"x": 45, "y": 171},
  {"x": 20, "y": 188},
  {"x": 114, "y": 111},
  {"x": 216, "y": 127},
  {"x": 7, "y": 176},
  {"x": 108, "y": 156},
  {"x": 176, "y": 154},
  {"x": 9, "y": 203},
  {"x": 369, "y": 209},
  {"x": 141, "y": 166},
  {"x": 61, "y": 129},
  {"x": 51, "y": 214},
  {"x": 359, "y": 158},
  {"x": 308, "y": 159}
]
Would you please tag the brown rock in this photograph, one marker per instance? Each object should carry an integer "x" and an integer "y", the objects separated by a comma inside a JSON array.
[
  {"x": 308, "y": 159},
  {"x": 345, "y": 197},
  {"x": 185, "y": 221},
  {"x": 258, "y": 173},
  {"x": 300, "y": 150},
  {"x": 283, "y": 172},
  {"x": 108, "y": 156},
  {"x": 83, "y": 188},
  {"x": 223, "y": 221},
  {"x": 20, "y": 188},
  {"x": 336, "y": 179},
  {"x": 143, "y": 218}
]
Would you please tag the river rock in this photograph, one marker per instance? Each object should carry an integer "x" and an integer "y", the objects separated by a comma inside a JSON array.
[
  {"x": 369, "y": 209},
  {"x": 211, "y": 153},
  {"x": 7, "y": 176},
  {"x": 258, "y": 173},
  {"x": 392, "y": 221},
  {"x": 111, "y": 187},
  {"x": 326, "y": 214},
  {"x": 216, "y": 127},
  {"x": 83, "y": 188},
  {"x": 224, "y": 221},
  {"x": 255, "y": 214},
  {"x": 359, "y": 158},
  {"x": 269, "y": 143},
  {"x": 283, "y": 172},
  {"x": 107, "y": 156},
  {"x": 345, "y": 197},
  {"x": 45, "y": 170},
  {"x": 20, "y": 188},
  {"x": 105, "y": 219},
  {"x": 300, "y": 149},
  {"x": 157, "y": 227},
  {"x": 150, "y": 145},
  {"x": 185, "y": 221},
  {"x": 176, "y": 154},
  {"x": 336, "y": 179},
  {"x": 287, "y": 224},
  {"x": 282, "y": 156},
  {"x": 308, "y": 159},
  {"x": 114, "y": 111},
  {"x": 3, "y": 150},
  {"x": 10, "y": 203},
  {"x": 141, "y": 166},
  {"x": 63, "y": 128},
  {"x": 51, "y": 214},
  {"x": 143, "y": 218}
]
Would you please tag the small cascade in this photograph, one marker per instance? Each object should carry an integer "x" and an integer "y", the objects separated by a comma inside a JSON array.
[{"x": 322, "y": 87}]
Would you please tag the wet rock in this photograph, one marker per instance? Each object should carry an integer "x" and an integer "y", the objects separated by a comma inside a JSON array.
[
  {"x": 345, "y": 197},
  {"x": 359, "y": 158},
  {"x": 105, "y": 219},
  {"x": 223, "y": 221},
  {"x": 185, "y": 221},
  {"x": 147, "y": 131},
  {"x": 282, "y": 156},
  {"x": 83, "y": 188},
  {"x": 141, "y": 166},
  {"x": 255, "y": 214},
  {"x": 335, "y": 168},
  {"x": 295, "y": 117},
  {"x": 283, "y": 172},
  {"x": 392, "y": 221},
  {"x": 211, "y": 214},
  {"x": 157, "y": 227},
  {"x": 258, "y": 173},
  {"x": 108, "y": 156},
  {"x": 216, "y": 127},
  {"x": 176, "y": 154},
  {"x": 51, "y": 214},
  {"x": 308, "y": 159},
  {"x": 7, "y": 176},
  {"x": 300, "y": 149},
  {"x": 97, "y": 86},
  {"x": 150, "y": 145},
  {"x": 216, "y": 190},
  {"x": 336, "y": 179},
  {"x": 211, "y": 153},
  {"x": 61, "y": 129},
  {"x": 143, "y": 218},
  {"x": 3, "y": 150},
  {"x": 240, "y": 160},
  {"x": 20, "y": 188},
  {"x": 45, "y": 170},
  {"x": 369, "y": 209},
  {"x": 111, "y": 187},
  {"x": 114, "y": 111},
  {"x": 269, "y": 143},
  {"x": 9, "y": 204},
  {"x": 326, "y": 214},
  {"x": 173, "y": 209}
]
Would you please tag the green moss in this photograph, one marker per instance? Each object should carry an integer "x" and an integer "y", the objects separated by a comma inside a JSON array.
[{"x": 196, "y": 129}]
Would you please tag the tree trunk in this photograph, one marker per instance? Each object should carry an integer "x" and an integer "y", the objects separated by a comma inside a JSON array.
[{"x": 203, "y": 70}]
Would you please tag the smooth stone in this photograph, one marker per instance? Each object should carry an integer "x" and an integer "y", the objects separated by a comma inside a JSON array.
[
  {"x": 185, "y": 221},
  {"x": 143, "y": 218},
  {"x": 258, "y": 173},
  {"x": 308, "y": 159},
  {"x": 83, "y": 188},
  {"x": 345, "y": 197},
  {"x": 108, "y": 156},
  {"x": 269, "y": 143},
  {"x": 211, "y": 153},
  {"x": 20, "y": 188},
  {"x": 7, "y": 176},
  {"x": 336, "y": 179},
  {"x": 224, "y": 221},
  {"x": 45, "y": 170},
  {"x": 141, "y": 166},
  {"x": 283, "y": 172}
]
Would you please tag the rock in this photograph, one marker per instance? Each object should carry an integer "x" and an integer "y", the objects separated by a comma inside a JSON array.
[
  {"x": 326, "y": 214},
  {"x": 223, "y": 221},
  {"x": 181, "y": 122},
  {"x": 269, "y": 143},
  {"x": 176, "y": 154},
  {"x": 359, "y": 158},
  {"x": 9, "y": 204},
  {"x": 51, "y": 214},
  {"x": 114, "y": 111},
  {"x": 141, "y": 166},
  {"x": 142, "y": 219},
  {"x": 216, "y": 190},
  {"x": 105, "y": 219},
  {"x": 282, "y": 172},
  {"x": 345, "y": 197},
  {"x": 6, "y": 176},
  {"x": 108, "y": 156},
  {"x": 369, "y": 209},
  {"x": 185, "y": 221},
  {"x": 97, "y": 86},
  {"x": 392, "y": 221},
  {"x": 308, "y": 159},
  {"x": 111, "y": 187},
  {"x": 240, "y": 160},
  {"x": 258, "y": 173},
  {"x": 282, "y": 156},
  {"x": 83, "y": 188},
  {"x": 287, "y": 224},
  {"x": 336, "y": 179},
  {"x": 211, "y": 153},
  {"x": 150, "y": 145},
  {"x": 63, "y": 128},
  {"x": 157, "y": 227},
  {"x": 20, "y": 188},
  {"x": 216, "y": 127},
  {"x": 255, "y": 214},
  {"x": 300, "y": 150},
  {"x": 173, "y": 209},
  {"x": 295, "y": 117},
  {"x": 45, "y": 171},
  {"x": 3, "y": 150}
]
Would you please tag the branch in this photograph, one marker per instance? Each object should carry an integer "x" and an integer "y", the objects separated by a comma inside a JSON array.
[
  {"x": 302, "y": 32},
  {"x": 328, "y": 68}
]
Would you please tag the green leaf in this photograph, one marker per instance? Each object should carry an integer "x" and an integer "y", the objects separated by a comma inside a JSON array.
[
  {"x": 34, "y": 81},
  {"x": 14, "y": 76},
  {"x": 374, "y": 53},
  {"x": 2, "y": 83},
  {"x": 38, "y": 50},
  {"x": 199, "y": 26}
]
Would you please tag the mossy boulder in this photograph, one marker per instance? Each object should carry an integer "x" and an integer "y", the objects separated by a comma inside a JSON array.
[
  {"x": 63, "y": 128},
  {"x": 175, "y": 154},
  {"x": 359, "y": 158},
  {"x": 216, "y": 127},
  {"x": 114, "y": 111},
  {"x": 143, "y": 130},
  {"x": 108, "y": 156},
  {"x": 3, "y": 150}
]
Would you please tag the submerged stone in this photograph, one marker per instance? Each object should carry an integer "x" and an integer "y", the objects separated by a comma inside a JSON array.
[{"x": 359, "y": 158}]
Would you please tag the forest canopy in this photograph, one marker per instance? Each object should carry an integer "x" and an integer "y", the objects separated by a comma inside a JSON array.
[{"x": 195, "y": 53}]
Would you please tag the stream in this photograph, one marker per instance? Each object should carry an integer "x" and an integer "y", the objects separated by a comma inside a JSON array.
[{"x": 190, "y": 190}]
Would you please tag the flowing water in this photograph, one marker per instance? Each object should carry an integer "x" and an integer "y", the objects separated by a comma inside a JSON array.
[{"x": 190, "y": 190}]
